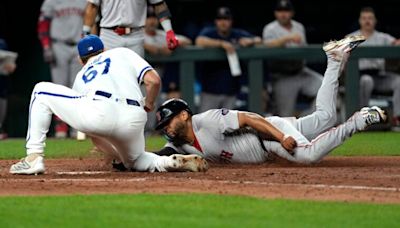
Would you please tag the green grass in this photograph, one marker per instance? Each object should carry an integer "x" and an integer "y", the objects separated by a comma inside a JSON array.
[
  {"x": 363, "y": 144},
  {"x": 370, "y": 143},
  {"x": 192, "y": 210},
  {"x": 63, "y": 148}
]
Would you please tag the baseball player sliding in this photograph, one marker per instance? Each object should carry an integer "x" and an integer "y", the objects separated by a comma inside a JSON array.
[
  {"x": 222, "y": 135},
  {"x": 105, "y": 103},
  {"x": 122, "y": 22}
]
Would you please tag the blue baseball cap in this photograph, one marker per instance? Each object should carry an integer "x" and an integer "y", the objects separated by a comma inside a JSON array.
[{"x": 89, "y": 44}]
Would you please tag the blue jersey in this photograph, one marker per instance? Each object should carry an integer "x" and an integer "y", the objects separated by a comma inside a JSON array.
[{"x": 216, "y": 77}]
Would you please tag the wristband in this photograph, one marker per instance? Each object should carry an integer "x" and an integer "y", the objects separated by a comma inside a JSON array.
[
  {"x": 86, "y": 29},
  {"x": 166, "y": 24}
]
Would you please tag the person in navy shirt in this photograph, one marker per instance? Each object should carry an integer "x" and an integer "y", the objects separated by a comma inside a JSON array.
[{"x": 219, "y": 87}]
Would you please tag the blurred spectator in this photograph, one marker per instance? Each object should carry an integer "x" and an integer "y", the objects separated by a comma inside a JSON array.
[
  {"x": 155, "y": 44},
  {"x": 219, "y": 86},
  {"x": 6, "y": 67},
  {"x": 372, "y": 71},
  {"x": 290, "y": 78},
  {"x": 59, "y": 30}
]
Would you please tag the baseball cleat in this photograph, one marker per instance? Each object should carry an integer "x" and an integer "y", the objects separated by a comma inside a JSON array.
[
  {"x": 191, "y": 163},
  {"x": 336, "y": 49},
  {"x": 373, "y": 115},
  {"x": 31, "y": 164}
]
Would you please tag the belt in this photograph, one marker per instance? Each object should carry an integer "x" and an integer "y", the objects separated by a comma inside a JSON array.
[
  {"x": 67, "y": 42},
  {"x": 108, "y": 95},
  {"x": 121, "y": 30}
]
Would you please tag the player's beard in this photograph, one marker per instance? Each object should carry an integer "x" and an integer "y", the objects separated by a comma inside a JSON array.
[{"x": 179, "y": 138}]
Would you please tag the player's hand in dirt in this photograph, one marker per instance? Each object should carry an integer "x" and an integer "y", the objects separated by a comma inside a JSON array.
[{"x": 289, "y": 143}]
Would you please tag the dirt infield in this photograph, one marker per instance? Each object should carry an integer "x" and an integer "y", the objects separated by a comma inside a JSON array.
[{"x": 355, "y": 179}]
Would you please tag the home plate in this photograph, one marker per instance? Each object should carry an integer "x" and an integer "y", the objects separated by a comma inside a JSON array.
[{"x": 82, "y": 172}]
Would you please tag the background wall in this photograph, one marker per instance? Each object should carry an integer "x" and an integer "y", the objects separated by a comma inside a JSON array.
[{"x": 324, "y": 20}]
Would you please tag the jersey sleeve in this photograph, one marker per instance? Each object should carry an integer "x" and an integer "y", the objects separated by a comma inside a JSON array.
[
  {"x": 388, "y": 39},
  {"x": 141, "y": 66},
  {"x": 221, "y": 120},
  {"x": 268, "y": 33}
]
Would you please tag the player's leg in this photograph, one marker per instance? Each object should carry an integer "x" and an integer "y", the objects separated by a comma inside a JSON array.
[
  {"x": 60, "y": 69},
  {"x": 139, "y": 160},
  {"x": 310, "y": 85},
  {"x": 390, "y": 82},
  {"x": 366, "y": 87},
  {"x": 327, "y": 141},
  {"x": 74, "y": 67},
  {"x": 287, "y": 128},
  {"x": 110, "y": 39},
  {"x": 126, "y": 142},
  {"x": 60, "y": 76},
  {"x": 325, "y": 115},
  {"x": 109, "y": 150},
  {"x": 135, "y": 41},
  {"x": 80, "y": 112}
]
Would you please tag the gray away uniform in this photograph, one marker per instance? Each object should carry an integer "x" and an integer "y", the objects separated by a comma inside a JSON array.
[
  {"x": 123, "y": 13},
  {"x": 290, "y": 77},
  {"x": 65, "y": 32},
  {"x": 219, "y": 139}
]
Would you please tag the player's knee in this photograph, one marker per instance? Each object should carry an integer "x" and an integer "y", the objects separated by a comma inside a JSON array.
[
  {"x": 396, "y": 83},
  {"x": 311, "y": 158},
  {"x": 41, "y": 86},
  {"x": 328, "y": 117},
  {"x": 366, "y": 82}
]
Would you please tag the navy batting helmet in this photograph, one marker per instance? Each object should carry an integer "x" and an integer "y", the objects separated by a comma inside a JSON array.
[{"x": 168, "y": 110}]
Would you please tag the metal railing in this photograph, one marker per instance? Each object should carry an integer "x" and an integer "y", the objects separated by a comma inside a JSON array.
[{"x": 255, "y": 56}]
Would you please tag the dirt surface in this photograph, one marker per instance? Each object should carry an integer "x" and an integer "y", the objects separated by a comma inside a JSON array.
[{"x": 355, "y": 179}]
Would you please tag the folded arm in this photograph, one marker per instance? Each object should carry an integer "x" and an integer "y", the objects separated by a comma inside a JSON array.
[{"x": 261, "y": 125}]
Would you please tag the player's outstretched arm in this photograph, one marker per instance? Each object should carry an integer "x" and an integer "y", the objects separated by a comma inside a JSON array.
[{"x": 258, "y": 123}]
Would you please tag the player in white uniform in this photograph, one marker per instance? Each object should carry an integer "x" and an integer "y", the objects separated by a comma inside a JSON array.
[
  {"x": 122, "y": 22},
  {"x": 222, "y": 135},
  {"x": 107, "y": 104}
]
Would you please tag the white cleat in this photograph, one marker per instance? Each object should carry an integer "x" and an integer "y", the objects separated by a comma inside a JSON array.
[
  {"x": 373, "y": 115},
  {"x": 191, "y": 163},
  {"x": 31, "y": 164},
  {"x": 337, "y": 49}
]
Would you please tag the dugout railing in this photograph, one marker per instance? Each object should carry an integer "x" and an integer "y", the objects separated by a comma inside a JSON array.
[{"x": 255, "y": 58}]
